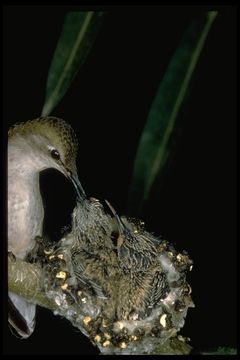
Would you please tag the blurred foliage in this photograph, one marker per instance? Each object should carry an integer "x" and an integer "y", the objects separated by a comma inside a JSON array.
[
  {"x": 154, "y": 146},
  {"x": 78, "y": 35}
]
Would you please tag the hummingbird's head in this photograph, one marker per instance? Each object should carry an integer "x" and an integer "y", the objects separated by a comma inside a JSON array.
[{"x": 50, "y": 143}]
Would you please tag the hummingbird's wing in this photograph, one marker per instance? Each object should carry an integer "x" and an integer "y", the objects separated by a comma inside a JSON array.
[
  {"x": 158, "y": 289},
  {"x": 91, "y": 286},
  {"x": 21, "y": 315},
  {"x": 98, "y": 290}
]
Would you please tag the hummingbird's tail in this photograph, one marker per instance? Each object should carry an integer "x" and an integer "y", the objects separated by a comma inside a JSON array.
[{"x": 21, "y": 315}]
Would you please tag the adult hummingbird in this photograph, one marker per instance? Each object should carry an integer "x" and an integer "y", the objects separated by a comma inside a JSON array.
[{"x": 33, "y": 146}]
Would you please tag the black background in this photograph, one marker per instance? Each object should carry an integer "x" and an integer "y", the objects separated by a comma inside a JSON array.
[{"x": 107, "y": 104}]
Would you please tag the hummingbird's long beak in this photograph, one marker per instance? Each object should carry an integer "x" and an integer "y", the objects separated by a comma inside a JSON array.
[{"x": 77, "y": 185}]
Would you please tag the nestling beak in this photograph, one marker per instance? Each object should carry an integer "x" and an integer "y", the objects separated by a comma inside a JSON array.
[{"x": 120, "y": 224}]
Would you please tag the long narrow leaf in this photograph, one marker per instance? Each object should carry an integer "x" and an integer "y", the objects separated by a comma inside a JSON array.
[
  {"x": 78, "y": 35},
  {"x": 153, "y": 148}
]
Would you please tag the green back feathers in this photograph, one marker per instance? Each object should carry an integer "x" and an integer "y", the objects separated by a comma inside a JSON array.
[{"x": 59, "y": 132}]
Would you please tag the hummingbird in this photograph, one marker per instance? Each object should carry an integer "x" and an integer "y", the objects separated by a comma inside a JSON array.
[
  {"x": 93, "y": 253},
  {"x": 138, "y": 260},
  {"x": 90, "y": 256},
  {"x": 33, "y": 146}
]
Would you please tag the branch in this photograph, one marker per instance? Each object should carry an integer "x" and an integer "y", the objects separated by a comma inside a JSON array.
[{"x": 26, "y": 279}]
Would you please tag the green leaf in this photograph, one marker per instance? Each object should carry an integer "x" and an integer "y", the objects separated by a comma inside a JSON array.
[
  {"x": 78, "y": 35},
  {"x": 153, "y": 148}
]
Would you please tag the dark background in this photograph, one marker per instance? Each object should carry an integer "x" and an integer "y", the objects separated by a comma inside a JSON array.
[{"x": 195, "y": 205}]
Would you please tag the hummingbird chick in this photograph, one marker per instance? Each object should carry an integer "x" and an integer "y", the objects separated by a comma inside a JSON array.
[
  {"x": 33, "y": 146},
  {"x": 142, "y": 282},
  {"x": 91, "y": 251},
  {"x": 137, "y": 249},
  {"x": 94, "y": 226}
]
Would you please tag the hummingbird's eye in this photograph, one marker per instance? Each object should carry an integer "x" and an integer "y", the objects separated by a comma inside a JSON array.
[{"x": 55, "y": 154}]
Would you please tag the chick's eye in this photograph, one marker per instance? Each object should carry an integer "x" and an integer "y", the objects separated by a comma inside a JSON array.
[{"x": 55, "y": 154}]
